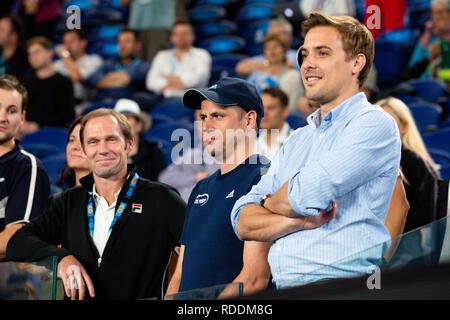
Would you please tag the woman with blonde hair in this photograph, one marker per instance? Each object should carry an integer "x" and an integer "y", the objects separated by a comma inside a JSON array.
[{"x": 417, "y": 167}]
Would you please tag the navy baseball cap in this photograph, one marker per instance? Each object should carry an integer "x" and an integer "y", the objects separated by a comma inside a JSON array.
[{"x": 227, "y": 92}]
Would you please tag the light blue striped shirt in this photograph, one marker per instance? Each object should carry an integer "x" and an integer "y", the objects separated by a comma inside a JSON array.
[{"x": 353, "y": 156}]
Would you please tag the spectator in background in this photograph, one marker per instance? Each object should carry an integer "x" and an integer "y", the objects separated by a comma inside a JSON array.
[
  {"x": 75, "y": 63},
  {"x": 153, "y": 19},
  {"x": 331, "y": 7},
  {"x": 194, "y": 165},
  {"x": 306, "y": 106},
  {"x": 117, "y": 259},
  {"x": 419, "y": 176},
  {"x": 145, "y": 155},
  {"x": 40, "y": 16},
  {"x": 51, "y": 94},
  {"x": 278, "y": 72},
  {"x": 210, "y": 253},
  {"x": 76, "y": 165},
  {"x": 14, "y": 58},
  {"x": 123, "y": 76},
  {"x": 182, "y": 67},
  {"x": 428, "y": 49},
  {"x": 284, "y": 30},
  {"x": 276, "y": 129},
  {"x": 24, "y": 187}
]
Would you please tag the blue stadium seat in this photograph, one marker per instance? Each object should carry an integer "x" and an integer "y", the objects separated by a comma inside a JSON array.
[
  {"x": 56, "y": 137},
  {"x": 40, "y": 150},
  {"x": 223, "y": 44},
  {"x": 438, "y": 140},
  {"x": 445, "y": 124},
  {"x": 214, "y": 28},
  {"x": 445, "y": 172},
  {"x": 206, "y": 13},
  {"x": 218, "y": 72},
  {"x": 98, "y": 105},
  {"x": 440, "y": 156},
  {"x": 104, "y": 33},
  {"x": 253, "y": 12},
  {"x": 105, "y": 49},
  {"x": 409, "y": 99},
  {"x": 391, "y": 51},
  {"x": 164, "y": 132},
  {"x": 54, "y": 166},
  {"x": 160, "y": 119},
  {"x": 296, "y": 120},
  {"x": 174, "y": 109},
  {"x": 247, "y": 2},
  {"x": 426, "y": 115},
  {"x": 227, "y": 60},
  {"x": 84, "y": 5},
  {"x": 214, "y": 2},
  {"x": 431, "y": 90},
  {"x": 255, "y": 31}
]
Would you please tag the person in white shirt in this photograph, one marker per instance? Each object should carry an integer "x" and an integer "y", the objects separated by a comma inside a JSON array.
[
  {"x": 275, "y": 129},
  {"x": 175, "y": 70},
  {"x": 75, "y": 63}
]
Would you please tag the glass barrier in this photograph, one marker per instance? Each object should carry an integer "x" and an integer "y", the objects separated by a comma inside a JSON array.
[
  {"x": 425, "y": 246},
  {"x": 223, "y": 291},
  {"x": 28, "y": 281}
]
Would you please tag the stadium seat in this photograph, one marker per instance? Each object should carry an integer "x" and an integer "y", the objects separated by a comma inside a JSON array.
[
  {"x": 40, "y": 150},
  {"x": 104, "y": 33},
  {"x": 206, "y": 13},
  {"x": 105, "y": 49},
  {"x": 445, "y": 124},
  {"x": 426, "y": 115},
  {"x": 55, "y": 137},
  {"x": 255, "y": 31},
  {"x": 431, "y": 90},
  {"x": 253, "y": 12},
  {"x": 53, "y": 166},
  {"x": 218, "y": 72},
  {"x": 440, "y": 156},
  {"x": 445, "y": 172},
  {"x": 438, "y": 140},
  {"x": 160, "y": 119},
  {"x": 183, "y": 132},
  {"x": 174, "y": 109},
  {"x": 84, "y": 5},
  {"x": 409, "y": 99},
  {"x": 296, "y": 120},
  {"x": 391, "y": 51},
  {"x": 247, "y": 2},
  {"x": 214, "y": 2},
  {"x": 223, "y": 44},
  {"x": 98, "y": 105},
  {"x": 227, "y": 60},
  {"x": 215, "y": 28}
]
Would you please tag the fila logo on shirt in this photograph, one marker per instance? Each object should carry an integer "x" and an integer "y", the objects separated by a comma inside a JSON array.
[
  {"x": 230, "y": 195},
  {"x": 136, "y": 208},
  {"x": 201, "y": 199}
]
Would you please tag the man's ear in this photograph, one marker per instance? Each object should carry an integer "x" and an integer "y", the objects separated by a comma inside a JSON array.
[{"x": 359, "y": 63}]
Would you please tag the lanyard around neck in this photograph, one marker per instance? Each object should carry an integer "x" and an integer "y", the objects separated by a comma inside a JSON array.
[{"x": 119, "y": 211}]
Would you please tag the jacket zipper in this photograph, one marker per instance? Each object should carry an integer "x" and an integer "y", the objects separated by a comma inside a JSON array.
[{"x": 99, "y": 262}]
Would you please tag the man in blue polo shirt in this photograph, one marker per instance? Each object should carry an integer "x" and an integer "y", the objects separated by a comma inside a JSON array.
[
  {"x": 210, "y": 253},
  {"x": 24, "y": 184}
]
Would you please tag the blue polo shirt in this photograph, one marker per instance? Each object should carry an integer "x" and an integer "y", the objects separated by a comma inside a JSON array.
[
  {"x": 24, "y": 187},
  {"x": 213, "y": 254}
]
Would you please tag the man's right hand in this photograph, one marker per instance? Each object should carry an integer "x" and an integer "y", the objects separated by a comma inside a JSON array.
[
  {"x": 74, "y": 277},
  {"x": 322, "y": 218}
]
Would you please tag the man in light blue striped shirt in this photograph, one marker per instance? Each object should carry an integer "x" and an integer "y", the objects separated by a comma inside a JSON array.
[{"x": 349, "y": 155}]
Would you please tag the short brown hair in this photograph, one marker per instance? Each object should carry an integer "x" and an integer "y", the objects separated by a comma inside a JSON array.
[
  {"x": 43, "y": 41},
  {"x": 276, "y": 92},
  {"x": 181, "y": 21},
  {"x": 10, "y": 82},
  {"x": 102, "y": 112},
  {"x": 356, "y": 38}
]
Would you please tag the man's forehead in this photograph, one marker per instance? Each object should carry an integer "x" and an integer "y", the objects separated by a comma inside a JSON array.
[
  {"x": 8, "y": 97},
  {"x": 322, "y": 36},
  {"x": 102, "y": 124}
]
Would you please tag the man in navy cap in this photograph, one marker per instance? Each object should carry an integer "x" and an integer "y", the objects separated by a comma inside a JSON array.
[{"x": 211, "y": 254}]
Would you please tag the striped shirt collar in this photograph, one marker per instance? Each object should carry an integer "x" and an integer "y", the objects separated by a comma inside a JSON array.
[{"x": 339, "y": 111}]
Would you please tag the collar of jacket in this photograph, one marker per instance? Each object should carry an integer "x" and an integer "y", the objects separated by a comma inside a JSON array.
[{"x": 87, "y": 182}]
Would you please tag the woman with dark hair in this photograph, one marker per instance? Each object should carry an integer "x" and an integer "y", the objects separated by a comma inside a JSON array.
[{"x": 76, "y": 165}]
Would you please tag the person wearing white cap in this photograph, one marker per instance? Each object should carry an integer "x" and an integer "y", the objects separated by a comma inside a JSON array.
[{"x": 146, "y": 156}]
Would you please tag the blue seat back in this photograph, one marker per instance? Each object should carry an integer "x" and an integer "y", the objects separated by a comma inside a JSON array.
[
  {"x": 426, "y": 115},
  {"x": 431, "y": 90},
  {"x": 296, "y": 120},
  {"x": 438, "y": 140},
  {"x": 223, "y": 44}
]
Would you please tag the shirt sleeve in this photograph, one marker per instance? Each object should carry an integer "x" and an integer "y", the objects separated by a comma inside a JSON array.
[
  {"x": 200, "y": 72},
  {"x": 28, "y": 193},
  {"x": 94, "y": 63},
  {"x": 368, "y": 147},
  {"x": 154, "y": 80},
  {"x": 40, "y": 238}
]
